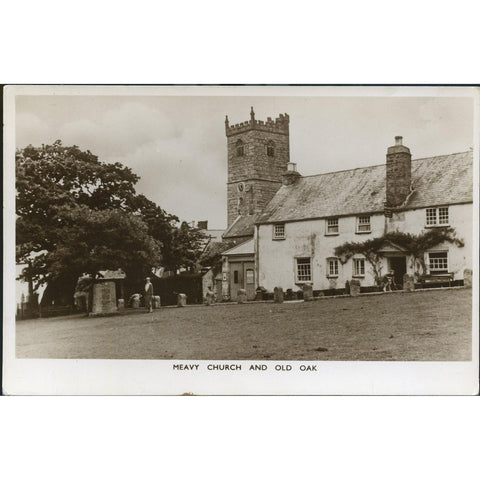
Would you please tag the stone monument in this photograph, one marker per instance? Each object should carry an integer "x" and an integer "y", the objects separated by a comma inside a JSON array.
[
  {"x": 156, "y": 301},
  {"x": 408, "y": 283},
  {"x": 354, "y": 288},
  {"x": 307, "y": 292},
  {"x": 104, "y": 298},
  {"x": 181, "y": 300},
  {"x": 467, "y": 277},
  {"x": 278, "y": 295},
  {"x": 241, "y": 295}
]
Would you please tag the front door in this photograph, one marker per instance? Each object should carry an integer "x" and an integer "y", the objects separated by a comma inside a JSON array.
[
  {"x": 242, "y": 275},
  {"x": 399, "y": 267}
]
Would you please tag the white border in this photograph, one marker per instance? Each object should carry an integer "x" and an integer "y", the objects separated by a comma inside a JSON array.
[{"x": 147, "y": 377}]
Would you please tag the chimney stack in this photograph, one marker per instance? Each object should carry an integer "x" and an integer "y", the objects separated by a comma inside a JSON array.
[
  {"x": 290, "y": 176},
  {"x": 398, "y": 173}
]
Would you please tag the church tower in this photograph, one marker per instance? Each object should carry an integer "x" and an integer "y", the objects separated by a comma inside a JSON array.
[{"x": 258, "y": 154}]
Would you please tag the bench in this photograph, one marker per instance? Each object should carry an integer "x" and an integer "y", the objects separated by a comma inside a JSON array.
[{"x": 437, "y": 278}]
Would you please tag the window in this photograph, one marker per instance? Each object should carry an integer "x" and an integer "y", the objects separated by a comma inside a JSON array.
[
  {"x": 240, "y": 148},
  {"x": 332, "y": 267},
  {"x": 270, "y": 149},
  {"x": 437, "y": 216},
  {"x": 250, "y": 277},
  {"x": 235, "y": 276},
  {"x": 332, "y": 226},
  {"x": 304, "y": 271},
  {"x": 279, "y": 231},
  {"x": 358, "y": 267},
  {"x": 363, "y": 224},
  {"x": 438, "y": 262},
  {"x": 443, "y": 216}
]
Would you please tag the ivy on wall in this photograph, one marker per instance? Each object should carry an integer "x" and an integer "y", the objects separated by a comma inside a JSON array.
[{"x": 414, "y": 245}]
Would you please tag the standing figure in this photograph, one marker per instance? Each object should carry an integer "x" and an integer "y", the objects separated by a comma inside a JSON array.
[
  {"x": 148, "y": 294},
  {"x": 389, "y": 281}
]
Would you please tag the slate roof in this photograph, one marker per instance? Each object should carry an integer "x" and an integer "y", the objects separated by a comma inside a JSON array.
[
  {"x": 243, "y": 226},
  {"x": 245, "y": 248},
  {"x": 441, "y": 180}
]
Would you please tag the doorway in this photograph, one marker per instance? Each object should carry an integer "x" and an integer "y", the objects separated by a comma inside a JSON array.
[
  {"x": 242, "y": 277},
  {"x": 399, "y": 267}
]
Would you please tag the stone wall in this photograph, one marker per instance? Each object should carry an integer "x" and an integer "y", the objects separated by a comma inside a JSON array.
[
  {"x": 260, "y": 173},
  {"x": 398, "y": 175}
]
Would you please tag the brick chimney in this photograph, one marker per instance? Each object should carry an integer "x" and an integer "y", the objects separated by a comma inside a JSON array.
[
  {"x": 399, "y": 173},
  {"x": 290, "y": 176}
]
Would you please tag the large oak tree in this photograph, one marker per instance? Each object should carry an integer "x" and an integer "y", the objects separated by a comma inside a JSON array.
[{"x": 76, "y": 214}]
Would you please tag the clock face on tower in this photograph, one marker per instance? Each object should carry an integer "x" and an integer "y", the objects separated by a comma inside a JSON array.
[{"x": 241, "y": 187}]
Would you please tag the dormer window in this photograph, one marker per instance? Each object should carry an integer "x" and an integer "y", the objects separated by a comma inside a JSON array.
[
  {"x": 436, "y": 217},
  {"x": 240, "y": 148},
  {"x": 270, "y": 149}
]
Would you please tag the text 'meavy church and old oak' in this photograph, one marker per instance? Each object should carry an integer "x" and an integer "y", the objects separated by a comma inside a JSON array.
[{"x": 286, "y": 226}]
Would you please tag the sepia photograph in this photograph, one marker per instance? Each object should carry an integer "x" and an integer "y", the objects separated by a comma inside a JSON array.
[{"x": 259, "y": 229}]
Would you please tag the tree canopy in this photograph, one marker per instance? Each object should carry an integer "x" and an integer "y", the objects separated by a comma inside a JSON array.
[{"x": 76, "y": 214}]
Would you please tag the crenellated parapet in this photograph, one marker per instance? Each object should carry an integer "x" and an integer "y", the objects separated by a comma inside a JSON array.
[{"x": 279, "y": 125}]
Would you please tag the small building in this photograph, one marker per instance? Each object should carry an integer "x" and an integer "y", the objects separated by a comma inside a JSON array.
[{"x": 238, "y": 271}]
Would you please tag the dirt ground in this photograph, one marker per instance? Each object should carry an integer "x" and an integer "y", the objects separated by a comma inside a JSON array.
[{"x": 424, "y": 325}]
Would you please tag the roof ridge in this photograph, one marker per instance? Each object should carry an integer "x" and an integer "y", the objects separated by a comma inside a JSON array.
[{"x": 380, "y": 165}]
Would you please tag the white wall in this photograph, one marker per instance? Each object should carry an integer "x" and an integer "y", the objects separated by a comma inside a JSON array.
[{"x": 276, "y": 264}]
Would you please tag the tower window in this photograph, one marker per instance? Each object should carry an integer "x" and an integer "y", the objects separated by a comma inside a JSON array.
[
  {"x": 240, "y": 148},
  {"x": 270, "y": 149}
]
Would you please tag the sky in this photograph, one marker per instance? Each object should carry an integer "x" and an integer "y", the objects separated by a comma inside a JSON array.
[{"x": 177, "y": 144}]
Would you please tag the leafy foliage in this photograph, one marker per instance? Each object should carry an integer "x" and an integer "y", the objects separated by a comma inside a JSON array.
[
  {"x": 414, "y": 245},
  {"x": 212, "y": 256},
  {"x": 185, "y": 248},
  {"x": 78, "y": 215}
]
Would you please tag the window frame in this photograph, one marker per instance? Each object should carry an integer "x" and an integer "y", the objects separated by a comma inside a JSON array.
[
  {"x": 297, "y": 276},
  {"x": 438, "y": 271},
  {"x": 355, "y": 273},
  {"x": 275, "y": 236},
  {"x": 437, "y": 215},
  {"x": 327, "y": 226},
  {"x": 359, "y": 224},
  {"x": 329, "y": 267}
]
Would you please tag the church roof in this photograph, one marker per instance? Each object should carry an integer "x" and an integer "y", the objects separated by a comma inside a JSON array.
[
  {"x": 243, "y": 226},
  {"x": 441, "y": 180}
]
